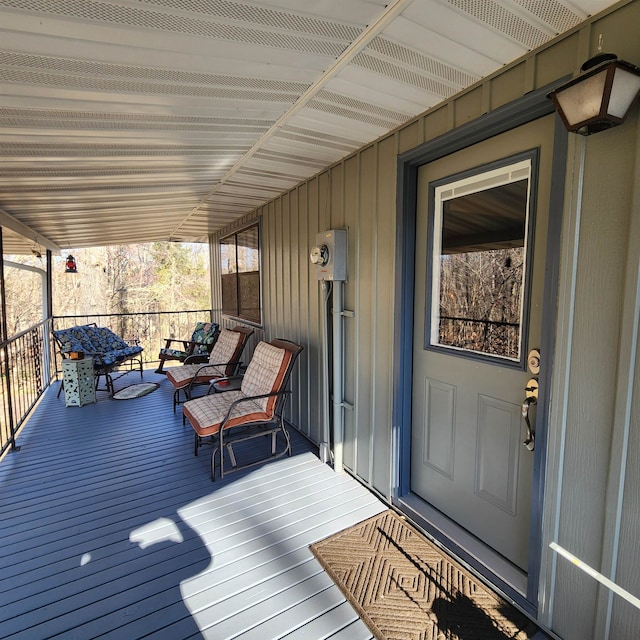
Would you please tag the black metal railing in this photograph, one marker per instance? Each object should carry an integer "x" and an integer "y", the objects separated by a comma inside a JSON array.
[
  {"x": 150, "y": 330},
  {"x": 29, "y": 361},
  {"x": 26, "y": 370}
]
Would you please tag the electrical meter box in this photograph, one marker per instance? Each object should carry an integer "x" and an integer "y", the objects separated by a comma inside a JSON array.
[{"x": 330, "y": 255}]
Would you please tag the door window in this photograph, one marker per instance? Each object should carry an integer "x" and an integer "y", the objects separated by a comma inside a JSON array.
[{"x": 481, "y": 228}]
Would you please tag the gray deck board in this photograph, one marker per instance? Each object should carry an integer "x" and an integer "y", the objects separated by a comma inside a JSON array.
[
  {"x": 341, "y": 617},
  {"x": 111, "y": 528}
]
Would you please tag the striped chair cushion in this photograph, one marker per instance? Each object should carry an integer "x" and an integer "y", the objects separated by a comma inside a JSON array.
[
  {"x": 226, "y": 349},
  {"x": 265, "y": 373},
  {"x": 207, "y": 413}
]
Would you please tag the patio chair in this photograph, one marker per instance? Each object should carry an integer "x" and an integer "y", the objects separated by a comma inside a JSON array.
[
  {"x": 200, "y": 344},
  {"x": 222, "y": 420},
  {"x": 223, "y": 361}
]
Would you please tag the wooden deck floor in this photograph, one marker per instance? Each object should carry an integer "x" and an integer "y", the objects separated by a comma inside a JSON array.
[{"x": 111, "y": 528}]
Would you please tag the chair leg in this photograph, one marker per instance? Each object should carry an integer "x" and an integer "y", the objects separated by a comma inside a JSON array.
[
  {"x": 159, "y": 369},
  {"x": 287, "y": 438},
  {"x": 109, "y": 380},
  {"x": 213, "y": 465},
  {"x": 232, "y": 456},
  {"x": 176, "y": 398},
  {"x": 221, "y": 449}
]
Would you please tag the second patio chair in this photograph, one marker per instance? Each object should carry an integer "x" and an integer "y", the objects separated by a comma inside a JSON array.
[
  {"x": 224, "y": 360},
  {"x": 223, "y": 420}
]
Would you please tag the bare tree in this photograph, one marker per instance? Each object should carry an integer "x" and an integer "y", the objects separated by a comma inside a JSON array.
[
  {"x": 480, "y": 300},
  {"x": 112, "y": 280}
]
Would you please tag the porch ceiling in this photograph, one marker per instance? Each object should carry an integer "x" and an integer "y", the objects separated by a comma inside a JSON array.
[{"x": 137, "y": 120}]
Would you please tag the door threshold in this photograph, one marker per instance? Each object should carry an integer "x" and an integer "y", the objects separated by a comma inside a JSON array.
[{"x": 489, "y": 565}]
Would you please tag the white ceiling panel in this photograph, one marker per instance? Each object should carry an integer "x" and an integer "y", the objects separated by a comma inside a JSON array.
[
  {"x": 464, "y": 29},
  {"x": 350, "y": 83},
  {"x": 142, "y": 120},
  {"x": 410, "y": 32}
]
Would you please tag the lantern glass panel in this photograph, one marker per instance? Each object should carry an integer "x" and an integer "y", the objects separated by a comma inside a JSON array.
[
  {"x": 582, "y": 101},
  {"x": 623, "y": 92}
]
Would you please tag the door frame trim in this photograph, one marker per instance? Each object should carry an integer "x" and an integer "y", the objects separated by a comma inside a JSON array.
[{"x": 530, "y": 107}]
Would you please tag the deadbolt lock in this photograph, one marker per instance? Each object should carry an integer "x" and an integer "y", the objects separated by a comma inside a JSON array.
[{"x": 533, "y": 361}]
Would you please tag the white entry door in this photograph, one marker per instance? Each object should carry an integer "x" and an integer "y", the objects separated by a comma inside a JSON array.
[{"x": 479, "y": 274}]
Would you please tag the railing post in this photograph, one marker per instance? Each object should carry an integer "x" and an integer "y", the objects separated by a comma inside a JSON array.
[
  {"x": 48, "y": 316},
  {"x": 36, "y": 354},
  {"x": 5, "y": 352}
]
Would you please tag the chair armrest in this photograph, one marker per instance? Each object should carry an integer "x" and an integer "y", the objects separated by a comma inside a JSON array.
[
  {"x": 168, "y": 341},
  {"x": 207, "y": 366},
  {"x": 224, "y": 381},
  {"x": 224, "y": 364},
  {"x": 235, "y": 403},
  {"x": 196, "y": 359},
  {"x": 216, "y": 380}
]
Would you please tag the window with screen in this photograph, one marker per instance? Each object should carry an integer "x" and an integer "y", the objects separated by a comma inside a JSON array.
[{"x": 240, "y": 269}]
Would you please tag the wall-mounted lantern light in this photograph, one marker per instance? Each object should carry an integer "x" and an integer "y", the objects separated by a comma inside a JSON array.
[
  {"x": 70, "y": 265},
  {"x": 600, "y": 97}
]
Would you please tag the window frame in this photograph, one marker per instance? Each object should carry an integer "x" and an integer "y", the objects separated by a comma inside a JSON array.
[
  {"x": 530, "y": 156},
  {"x": 237, "y": 314}
]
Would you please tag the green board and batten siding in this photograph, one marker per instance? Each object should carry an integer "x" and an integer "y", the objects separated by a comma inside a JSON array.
[{"x": 591, "y": 496}]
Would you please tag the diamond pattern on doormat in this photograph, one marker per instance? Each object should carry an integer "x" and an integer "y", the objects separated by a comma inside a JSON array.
[{"x": 406, "y": 588}]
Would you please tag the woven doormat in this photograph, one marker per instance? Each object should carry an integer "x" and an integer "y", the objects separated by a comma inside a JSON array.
[
  {"x": 404, "y": 587},
  {"x": 135, "y": 391}
]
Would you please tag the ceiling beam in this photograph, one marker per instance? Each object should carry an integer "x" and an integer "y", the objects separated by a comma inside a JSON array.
[{"x": 18, "y": 227}]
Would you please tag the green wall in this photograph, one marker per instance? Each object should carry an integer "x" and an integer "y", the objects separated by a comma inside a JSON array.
[{"x": 592, "y": 495}]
